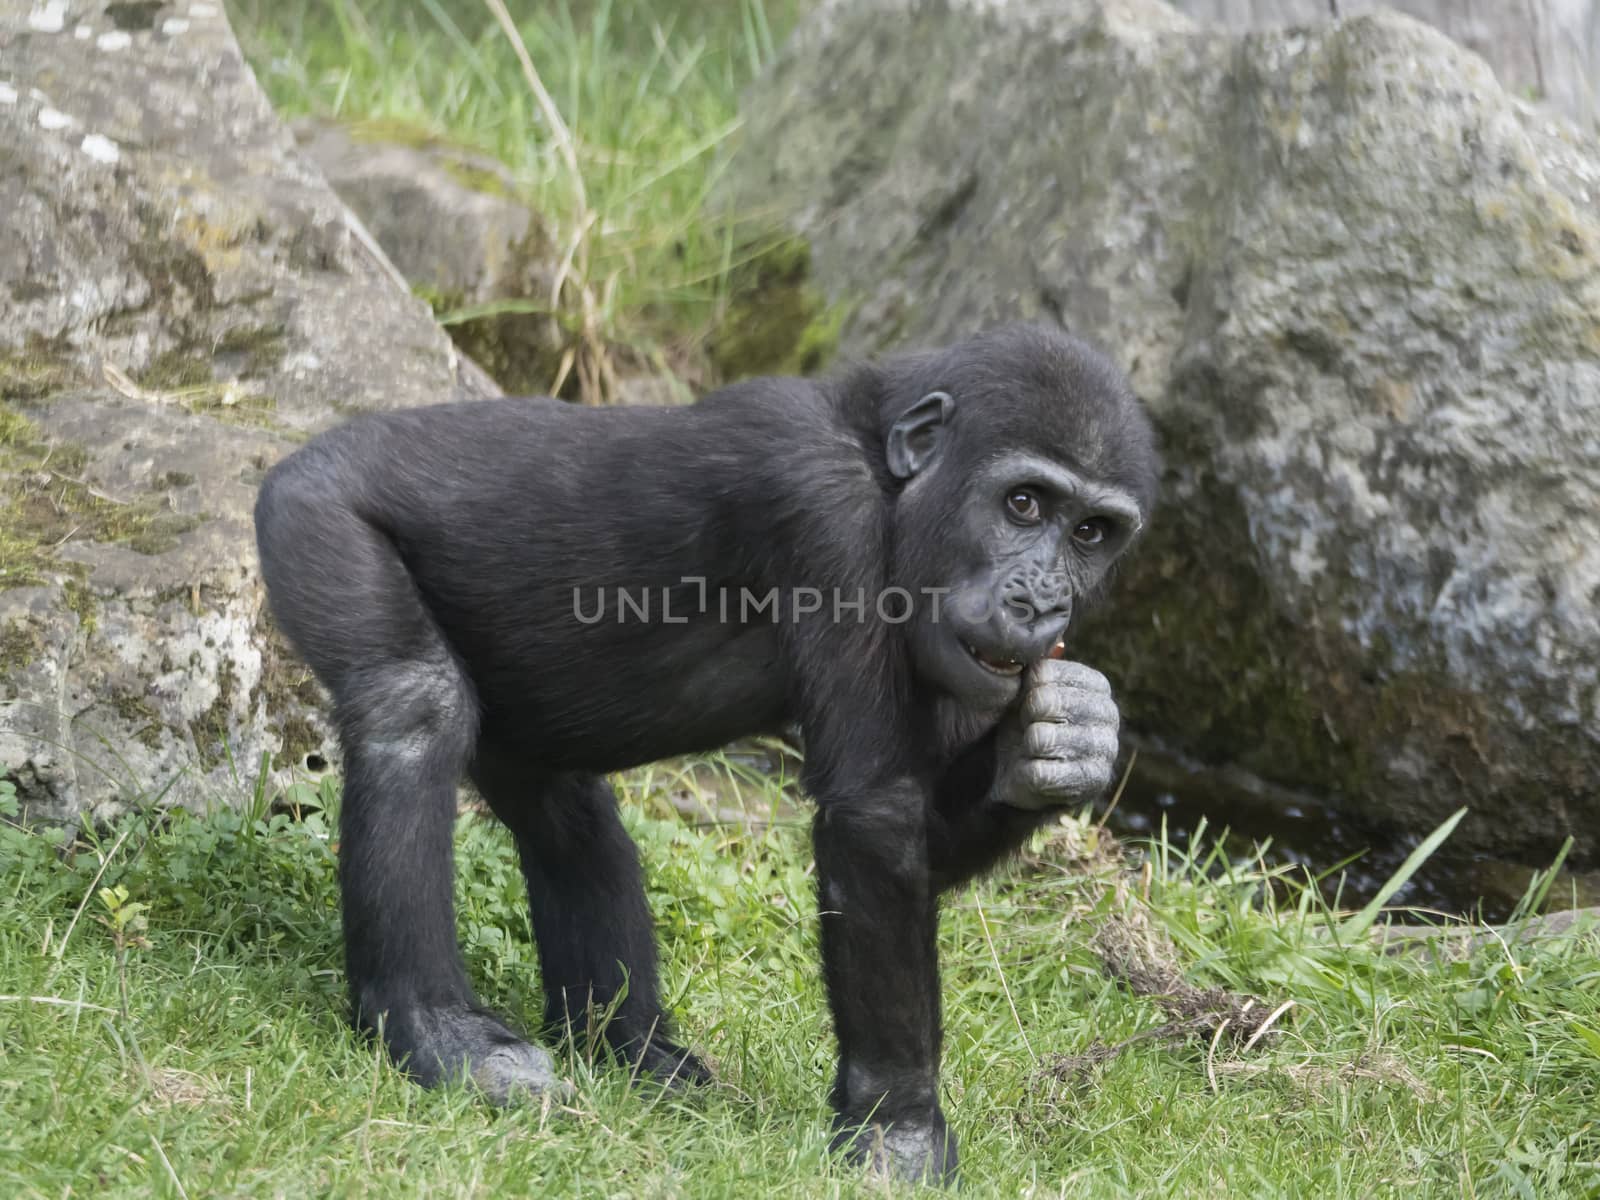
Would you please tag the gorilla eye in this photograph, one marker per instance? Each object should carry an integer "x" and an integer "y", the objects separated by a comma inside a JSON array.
[
  {"x": 1091, "y": 532},
  {"x": 1024, "y": 506}
]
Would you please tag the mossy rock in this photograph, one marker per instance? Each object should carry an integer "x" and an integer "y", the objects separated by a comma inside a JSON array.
[
  {"x": 37, "y": 371},
  {"x": 175, "y": 371},
  {"x": 20, "y": 644},
  {"x": 471, "y": 168},
  {"x": 251, "y": 351},
  {"x": 517, "y": 342},
  {"x": 775, "y": 321}
]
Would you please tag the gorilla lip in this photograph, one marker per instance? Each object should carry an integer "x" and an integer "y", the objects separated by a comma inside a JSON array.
[
  {"x": 1010, "y": 666},
  {"x": 996, "y": 666}
]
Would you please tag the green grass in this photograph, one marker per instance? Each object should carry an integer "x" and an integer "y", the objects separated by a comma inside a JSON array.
[
  {"x": 647, "y": 88},
  {"x": 184, "y": 1033}
]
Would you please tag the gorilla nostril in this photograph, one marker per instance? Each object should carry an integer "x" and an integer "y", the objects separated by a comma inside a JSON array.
[{"x": 1055, "y": 606}]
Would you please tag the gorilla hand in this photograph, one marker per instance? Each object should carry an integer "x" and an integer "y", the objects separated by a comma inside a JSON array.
[{"x": 1061, "y": 745}]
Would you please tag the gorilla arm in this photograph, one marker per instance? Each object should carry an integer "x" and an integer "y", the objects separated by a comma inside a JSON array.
[{"x": 1059, "y": 747}]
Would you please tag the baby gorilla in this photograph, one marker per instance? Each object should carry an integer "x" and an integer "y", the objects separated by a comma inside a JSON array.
[{"x": 534, "y": 594}]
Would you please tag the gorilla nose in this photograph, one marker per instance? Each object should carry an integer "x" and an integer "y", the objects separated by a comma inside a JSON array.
[
  {"x": 1039, "y": 606},
  {"x": 1054, "y": 608},
  {"x": 1029, "y": 629}
]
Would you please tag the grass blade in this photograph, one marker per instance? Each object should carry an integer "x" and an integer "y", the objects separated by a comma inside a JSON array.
[{"x": 1358, "y": 925}]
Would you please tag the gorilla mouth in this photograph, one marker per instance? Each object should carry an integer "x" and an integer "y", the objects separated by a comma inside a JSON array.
[{"x": 995, "y": 666}]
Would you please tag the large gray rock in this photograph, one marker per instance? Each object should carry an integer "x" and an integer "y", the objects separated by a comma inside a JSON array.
[
  {"x": 445, "y": 215},
  {"x": 1358, "y": 283},
  {"x": 182, "y": 300},
  {"x": 450, "y": 221},
  {"x": 1548, "y": 49}
]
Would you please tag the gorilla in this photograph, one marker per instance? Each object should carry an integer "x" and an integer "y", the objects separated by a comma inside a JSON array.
[{"x": 531, "y": 594}]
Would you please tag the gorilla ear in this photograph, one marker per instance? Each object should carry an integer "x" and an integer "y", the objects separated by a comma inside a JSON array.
[{"x": 914, "y": 438}]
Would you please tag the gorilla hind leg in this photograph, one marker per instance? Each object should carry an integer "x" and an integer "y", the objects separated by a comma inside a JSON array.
[
  {"x": 597, "y": 951},
  {"x": 407, "y": 718},
  {"x": 403, "y": 758}
]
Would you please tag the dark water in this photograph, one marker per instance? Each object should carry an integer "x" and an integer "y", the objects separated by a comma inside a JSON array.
[
  {"x": 1318, "y": 838},
  {"x": 1298, "y": 831}
]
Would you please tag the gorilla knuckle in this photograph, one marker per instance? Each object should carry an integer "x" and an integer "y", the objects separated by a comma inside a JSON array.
[
  {"x": 1042, "y": 739},
  {"x": 1039, "y": 703},
  {"x": 1087, "y": 679},
  {"x": 1096, "y": 712},
  {"x": 1100, "y": 743},
  {"x": 1038, "y": 778},
  {"x": 1054, "y": 670}
]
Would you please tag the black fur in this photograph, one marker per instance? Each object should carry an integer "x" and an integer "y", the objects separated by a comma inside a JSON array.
[{"x": 427, "y": 562}]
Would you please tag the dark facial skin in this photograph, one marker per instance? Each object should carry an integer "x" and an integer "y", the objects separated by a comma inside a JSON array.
[
  {"x": 1034, "y": 535},
  {"x": 428, "y": 564}
]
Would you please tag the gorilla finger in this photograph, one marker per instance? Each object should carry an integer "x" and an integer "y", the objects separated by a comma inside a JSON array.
[
  {"x": 1059, "y": 671},
  {"x": 1048, "y": 739},
  {"x": 1092, "y": 742},
  {"x": 1050, "y": 777},
  {"x": 1069, "y": 704}
]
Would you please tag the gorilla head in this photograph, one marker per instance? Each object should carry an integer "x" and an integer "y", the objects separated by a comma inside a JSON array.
[{"x": 1026, "y": 467}]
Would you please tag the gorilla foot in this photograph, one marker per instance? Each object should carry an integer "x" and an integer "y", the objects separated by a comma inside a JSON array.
[
  {"x": 518, "y": 1071},
  {"x": 669, "y": 1064},
  {"x": 461, "y": 1044},
  {"x": 904, "y": 1151}
]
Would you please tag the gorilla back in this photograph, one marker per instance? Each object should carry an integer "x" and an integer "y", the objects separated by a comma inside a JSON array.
[{"x": 534, "y": 594}]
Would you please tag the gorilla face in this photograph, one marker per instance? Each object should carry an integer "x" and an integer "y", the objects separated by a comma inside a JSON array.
[
  {"x": 1033, "y": 539},
  {"x": 1024, "y": 477}
]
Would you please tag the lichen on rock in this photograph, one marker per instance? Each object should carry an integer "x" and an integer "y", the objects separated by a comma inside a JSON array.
[{"x": 174, "y": 317}]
